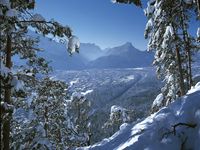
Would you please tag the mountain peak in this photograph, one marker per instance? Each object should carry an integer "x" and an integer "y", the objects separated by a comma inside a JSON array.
[
  {"x": 128, "y": 44},
  {"x": 122, "y": 49}
]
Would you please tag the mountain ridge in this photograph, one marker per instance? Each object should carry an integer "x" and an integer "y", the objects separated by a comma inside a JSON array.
[
  {"x": 124, "y": 56},
  {"x": 92, "y": 56}
]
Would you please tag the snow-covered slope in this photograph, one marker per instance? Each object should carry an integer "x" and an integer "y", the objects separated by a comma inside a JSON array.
[{"x": 174, "y": 127}]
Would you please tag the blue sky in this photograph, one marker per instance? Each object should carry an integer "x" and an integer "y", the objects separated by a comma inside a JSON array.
[{"x": 98, "y": 21}]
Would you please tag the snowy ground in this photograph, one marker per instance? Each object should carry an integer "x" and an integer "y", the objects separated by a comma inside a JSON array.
[{"x": 161, "y": 130}]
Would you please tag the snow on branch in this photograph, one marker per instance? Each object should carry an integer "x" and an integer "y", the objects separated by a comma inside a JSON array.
[
  {"x": 73, "y": 45},
  {"x": 136, "y": 2}
]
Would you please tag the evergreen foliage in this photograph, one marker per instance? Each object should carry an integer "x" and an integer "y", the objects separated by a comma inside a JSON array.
[{"x": 16, "y": 18}]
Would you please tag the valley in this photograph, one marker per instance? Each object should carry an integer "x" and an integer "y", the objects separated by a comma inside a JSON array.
[{"x": 131, "y": 88}]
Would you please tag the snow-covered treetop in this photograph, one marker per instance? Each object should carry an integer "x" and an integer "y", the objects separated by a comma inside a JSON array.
[
  {"x": 115, "y": 109},
  {"x": 119, "y": 113}
]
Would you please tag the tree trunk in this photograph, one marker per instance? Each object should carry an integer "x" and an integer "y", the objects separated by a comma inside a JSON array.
[
  {"x": 187, "y": 48},
  {"x": 59, "y": 136},
  {"x": 46, "y": 121},
  {"x": 1, "y": 111},
  {"x": 89, "y": 138},
  {"x": 190, "y": 66},
  {"x": 181, "y": 82},
  {"x": 198, "y": 7},
  {"x": 6, "y": 124}
]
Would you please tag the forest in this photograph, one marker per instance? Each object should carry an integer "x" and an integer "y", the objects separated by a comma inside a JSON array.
[{"x": 40, "y": 111}]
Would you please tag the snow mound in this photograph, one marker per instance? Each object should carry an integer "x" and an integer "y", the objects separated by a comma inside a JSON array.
[{"x": 174, "y": 127}]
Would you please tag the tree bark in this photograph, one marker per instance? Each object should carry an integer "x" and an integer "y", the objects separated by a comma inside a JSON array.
[
  {"x": 190, "y": 66},
  {"x": 198, "y": 7},
  {"x": 7, "y": 96},
  {"x": 187, "y": 48},
  {"x": 181, "y": 83},
  {"x": 46, "y": 120}
]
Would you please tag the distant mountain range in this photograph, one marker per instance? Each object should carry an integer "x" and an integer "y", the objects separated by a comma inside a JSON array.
[
  {"x": 124, "y": 56},
  {"x": 92, "y": 56}
]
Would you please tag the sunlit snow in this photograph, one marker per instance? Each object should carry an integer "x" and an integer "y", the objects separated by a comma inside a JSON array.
[{"x": 156, "y": 132}]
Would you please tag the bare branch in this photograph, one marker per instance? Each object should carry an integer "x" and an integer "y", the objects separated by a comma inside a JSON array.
[{"x": 183, "y": 124}]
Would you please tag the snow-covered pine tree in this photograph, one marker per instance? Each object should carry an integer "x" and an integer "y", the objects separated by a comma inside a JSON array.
[
  {"x": 15, "y": 19},
  {"x": 168, "y": 22},
  {"x": 49, "y": 107},
  {"x": 42, "y": 123},
  {"x": 79, "y": 113},
  {"x": 118, "y": 116},
  {"x": 165, "y": 37},
  {"x": 187, "y": 9}
]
